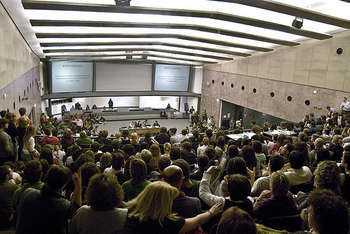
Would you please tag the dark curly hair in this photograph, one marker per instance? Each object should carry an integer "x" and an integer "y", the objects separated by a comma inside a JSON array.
[
  {"x": 104, "y": 192},
  {"x": 329, "y": 213}
]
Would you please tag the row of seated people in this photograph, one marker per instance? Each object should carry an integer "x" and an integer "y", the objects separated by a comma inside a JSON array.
[{"x": 212, "y": 185}]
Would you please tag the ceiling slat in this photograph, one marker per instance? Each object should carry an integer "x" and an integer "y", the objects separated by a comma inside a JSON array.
[
  {"x": 130, "y": 54},
  {"x": 69, "y": 23},
  {"x": 293, "y": 11},
  {"x": 146, "y": 44},
  {"x": 151, "y": 35},
  {"x": 137, "y": 49},
  {"x": 193, "y": 13}
]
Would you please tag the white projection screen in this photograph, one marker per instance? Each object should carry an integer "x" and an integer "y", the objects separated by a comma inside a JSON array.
[
  {"x": 171, "y": 77},
  {"x": 123, "y": 77},
  {"x": 71, "y": 76}
]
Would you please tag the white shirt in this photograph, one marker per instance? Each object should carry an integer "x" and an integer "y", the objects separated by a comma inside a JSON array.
[
  {"x": 201, "y": 150},
  {"x": 29, "y": 147},
  {"x": 299, "y": 176}
]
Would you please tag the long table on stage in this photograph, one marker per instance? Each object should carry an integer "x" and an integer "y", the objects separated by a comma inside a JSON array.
[
  {"x": 142, "y": 131},
  {"x": 241, "y": 135},
  {"x": 279, "y": 132}
]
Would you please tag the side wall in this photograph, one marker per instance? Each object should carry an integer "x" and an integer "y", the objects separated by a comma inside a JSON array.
[
  {"x": 312, "y": 71},
  {"x": 20, "y": 84}
]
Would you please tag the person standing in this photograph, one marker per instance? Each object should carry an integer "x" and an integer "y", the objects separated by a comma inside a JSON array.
[
  {"x": 110, "y": 103},
  {"x": 6, "y": 146}
]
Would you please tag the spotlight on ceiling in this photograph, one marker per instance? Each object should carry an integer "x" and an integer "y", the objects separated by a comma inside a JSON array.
[
  {"x": 298, "y": 23},
  {"x": 122, "y": 3}
]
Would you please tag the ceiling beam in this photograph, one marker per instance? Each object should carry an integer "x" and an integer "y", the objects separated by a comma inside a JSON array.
[
  {"x": 209, "y": 29},
  {"x": 147, "y": 44},
  {"x": 154, "y": 35},
  {"x": 137, "y": 49},
  {"x": 130, "y": 54},
  {"x": 293, "y": 11},
  {"x": 28, "y": 4}
]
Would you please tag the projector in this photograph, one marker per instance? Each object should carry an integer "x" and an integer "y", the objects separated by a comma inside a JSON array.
[{"x": 123, "y": 3}]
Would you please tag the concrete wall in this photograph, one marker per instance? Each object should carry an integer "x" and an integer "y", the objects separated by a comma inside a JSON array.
[
  {"x": 19, "y": 69},
  {"x": 312, "y": 71}
]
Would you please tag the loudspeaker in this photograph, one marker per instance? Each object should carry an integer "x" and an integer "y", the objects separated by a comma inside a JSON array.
[{"x": 298, "y": 23}]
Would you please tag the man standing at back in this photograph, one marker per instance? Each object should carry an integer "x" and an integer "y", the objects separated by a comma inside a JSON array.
[{"x": 6, "y": 146}]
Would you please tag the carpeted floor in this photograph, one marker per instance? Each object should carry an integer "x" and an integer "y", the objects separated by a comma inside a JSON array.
[{"x": 113, "y": 126}]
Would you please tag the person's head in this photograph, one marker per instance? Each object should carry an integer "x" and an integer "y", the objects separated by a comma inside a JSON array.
[
  {"x": 185, "y": 167},
  {"x": 186, "y": 146},
  {"x": 46, "y": 153},
  {"x": 129, "y": 150},
  {"x": 327, "y": 176},
  {"x": 276, "y": 163},
  {"x": 328, "y": 213},
  {"x": 95, "y": 147},
  {"x": 11, "y": 117},
  {"x": 238, "y": 187},
  {"x": 57, "y": 177},
  {"x": 249, "y": 156},
  {"x": 279, "y": 184},
  {"x": 154, "y": 202},
  {"x": 209, "y": 133},
  {"x": 4, "y": 123},
  {"x": 117, "y": 160},
  {"x": 210, "y": 152},
  {"x": 196, "y": 133},
  {"x": 82, "y": 134},
  {"x": 184, "y": 132},
  {"x": 163, "y": 130},
  {"x": 134, "y": 137},
  {"x": 319, "y": 142},
  {"x": 167, "y": 148},
  {"x": 22, "y": 111},
  {"x": 104, "y": 192},
  {"x": 175, "y": 153},
  {"x": 220, "y": 142},
  {"x": 105, "y": 161},
  {"x": 4, "y": 173},
  {"x": 173, "y": 175},
  {"x": 236, "y": 221},
  {"x": 87, "y": 170},
  {"x": 257, "y": 146},
  {"x": 237, "y": 165},
  {"x": 156, "y": 154},
  {"x": 163, "y": 163},
  {"x": 48, "y": 131},
  {"x": 337, "y": 140},
  {"x": 296, "y": 159},
  {"x": 205, "y": 141},
  {"x": 138, "y": 170},
  {"x": 232, "y": 151},
  {"x": 33, "y": 171},
  {"x": 30, "y": 132},
  {"x": 203, "y": 162}
]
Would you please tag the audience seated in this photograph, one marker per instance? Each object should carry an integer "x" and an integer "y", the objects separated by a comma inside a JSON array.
[{"x": 129, "y": 183}]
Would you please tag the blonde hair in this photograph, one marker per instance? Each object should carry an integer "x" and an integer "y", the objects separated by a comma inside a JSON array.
[
  {"x": 134, "y": 137},
  {"x": 30, "y": 132},
  {"x": 117, "y": 135},
  {"x": 167, "y": 147},
  {"x": 337, "y": 140},
  {"x": 155, "y": 151},
  {"x": 154, "y": 202}
]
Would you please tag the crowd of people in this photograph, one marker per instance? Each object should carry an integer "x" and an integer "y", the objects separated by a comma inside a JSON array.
[{"x": 191, "y": 181}]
